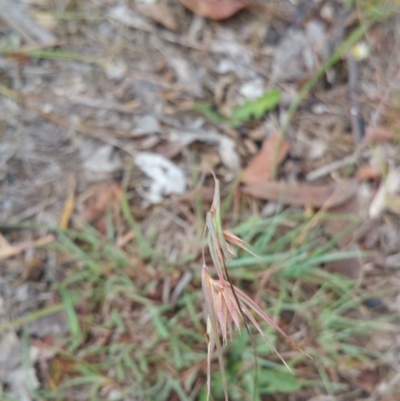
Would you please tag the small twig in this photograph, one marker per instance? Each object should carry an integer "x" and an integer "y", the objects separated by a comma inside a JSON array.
[
  {"x": 13, "y": 250},
  {"x": 356, "y": 126},
  {"x": 329, "y": 168},
  {"x": 166, "y": 289}
]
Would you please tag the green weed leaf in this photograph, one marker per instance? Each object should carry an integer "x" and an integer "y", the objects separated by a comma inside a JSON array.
[
  {"x": 240, "y": 114},
  {"x": 258, "y": 107}
]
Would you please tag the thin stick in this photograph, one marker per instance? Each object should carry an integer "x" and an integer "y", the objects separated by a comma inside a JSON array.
[{"x": 356, "y": 127}]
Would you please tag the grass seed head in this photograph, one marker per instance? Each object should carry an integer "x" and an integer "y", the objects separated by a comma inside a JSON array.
[{"x": 226, "y": 305}]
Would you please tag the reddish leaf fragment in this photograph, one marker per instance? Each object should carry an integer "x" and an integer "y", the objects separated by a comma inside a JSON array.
[
  {"x": 303, "y": 195},
  {"x": 274, "y": 150},
  {"x": 215, "y": 9}
]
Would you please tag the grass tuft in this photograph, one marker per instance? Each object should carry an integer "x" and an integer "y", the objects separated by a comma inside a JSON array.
[{"x": 127, "y": 341}]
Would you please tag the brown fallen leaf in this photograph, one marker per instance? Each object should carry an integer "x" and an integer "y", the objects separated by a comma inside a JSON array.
[
  {"x": 215, "y": 9},
  {"x": 159, "y": 13},
  {"x": 326, "y": 196},
  {"x": 350, "y": 268},
  {"x": 261, "y": 168}
]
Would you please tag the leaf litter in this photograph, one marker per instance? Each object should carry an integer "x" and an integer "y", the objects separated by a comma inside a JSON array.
[{"x": 125, "y": 81}]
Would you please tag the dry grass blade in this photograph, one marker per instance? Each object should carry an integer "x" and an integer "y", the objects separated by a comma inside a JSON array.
[{"x": 233, "y": 239}]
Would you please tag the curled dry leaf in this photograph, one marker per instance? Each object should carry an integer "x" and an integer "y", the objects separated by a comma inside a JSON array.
[
  {"x": 303, "y": 195},
  {"x": 274, "y": 149},
  {"x": 215, "y": 9}
]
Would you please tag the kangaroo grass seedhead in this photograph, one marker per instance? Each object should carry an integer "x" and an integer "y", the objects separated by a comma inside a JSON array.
[{"x": 226, "y": 305}]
